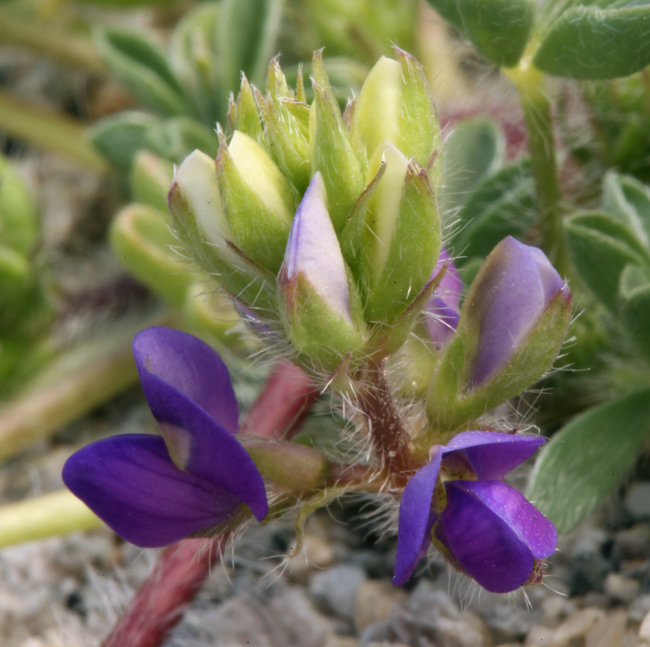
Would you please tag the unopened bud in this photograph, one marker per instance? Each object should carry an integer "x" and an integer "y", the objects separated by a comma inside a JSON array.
[{"x": 512, "y": 325}]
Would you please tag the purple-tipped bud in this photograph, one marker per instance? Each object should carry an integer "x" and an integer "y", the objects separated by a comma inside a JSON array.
[
  {"x": 442, "y": 311},
  {"x": 313, "y": 282},
  {"x": 512, "y": 291},
  {"x": 514, "y": 319}
]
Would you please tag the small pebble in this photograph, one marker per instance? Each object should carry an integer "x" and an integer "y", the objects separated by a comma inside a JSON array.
[
  {"x": 637, "y": 501},
  {"x": 336, "y": 588},
  {"x": 375, "y": 601},
  {"x": 620, "y": 588},
  {"x": 607, "y": 632}
]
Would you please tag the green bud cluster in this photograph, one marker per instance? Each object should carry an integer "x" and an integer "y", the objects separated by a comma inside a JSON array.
[{"x": 373, "y": 170}]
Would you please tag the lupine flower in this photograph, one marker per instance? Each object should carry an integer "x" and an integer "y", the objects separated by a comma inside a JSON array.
[
  {"x": 443, "y": 308},
  {"x": 316, "y": 298},
  {"x": 153, "y": 491},
  {"x": 513, "y": 322},
  {"x": 482, "y": 526},
  {"x": 510, "y": 294}
]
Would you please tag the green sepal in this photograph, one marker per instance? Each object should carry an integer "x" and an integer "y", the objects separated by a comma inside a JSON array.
[
  {"x": 585, "y": 461},
  {"x": 320, "y": 335},
  {"x": 333, "y": 156},
  {"x": 395, "y": 105},
  {"x": 387, "y": 340},
  {"x": 203, "y": 230},
  {"x": 287, "y": 130},
  {"x": 451, "y": 404},
  {"x": 258, "y": 201},
  {"x": 244, "y": 113},
  {"x": 605, "y": 41},
  {"x": 504, "y": 204},
  {"x": 150, "y": 179},
  {"x": 143, "y": 68},
  {"x": 474, "y": 150},
  {"x": 401, "y": 240},
  {"x": 141, "y": 240},
  {"x": 600, "y": 246}
]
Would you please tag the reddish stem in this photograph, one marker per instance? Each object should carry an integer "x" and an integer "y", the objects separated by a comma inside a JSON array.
[
  {"x": 181, "y": 569},
  {"x": 160, "y": 603},
  {"x": 282, "y": 405}
]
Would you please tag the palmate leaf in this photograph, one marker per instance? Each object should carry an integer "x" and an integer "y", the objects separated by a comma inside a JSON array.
[
  {"x": 474, "y": 150},
  {"x": 499, "y": 28},
  {"x": 142, "y": 67},
  {"x": 587, "y": 459},
  {"x": 503, "y": 204},
  {"x": 598, "y": 40},
  {"x": 600, "y": 247}
]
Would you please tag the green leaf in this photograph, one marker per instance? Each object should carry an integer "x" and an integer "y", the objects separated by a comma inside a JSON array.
[
  {"x": 474, "y": 149},
  {"x": 503, "y": 205},
  {"x": 629, "y": 199},
  {"x": 635, "y": 305},
  {"x": 600, "y": 247},
  {"x": 19, "y": 224},
  {"x": 587, "y": 459},
  {"x": 143, "y": 68},
  {"x": 196, "y": 61},
  {"x": 120, "y": 137},
  {"x": 597, "y": 42},
  {"x": 499, "y": 28}
]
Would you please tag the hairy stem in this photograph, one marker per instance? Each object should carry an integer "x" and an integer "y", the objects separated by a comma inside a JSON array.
[
  {"x": 48, "y": 130},
  {"x": 182, "y": 568},
  {"x": 388, "y": 434},
  {"x": 541, "y": 143},
  {"x": 173, "y": 584}
]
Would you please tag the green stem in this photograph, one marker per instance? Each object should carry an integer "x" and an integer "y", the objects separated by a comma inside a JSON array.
[
  {"x": 50, "y": 515},
  {"x": 541, "y": 143},
  {"x": 48, "y": 130},
  {"x": 43, "y": 39},
  {"x": 105, "y": 370}
]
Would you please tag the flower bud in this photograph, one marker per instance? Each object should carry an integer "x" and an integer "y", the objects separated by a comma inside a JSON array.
[
  {"x": 512, "y": 325},
  {"x": 244, "y": 113},
  {"x": 287, "y": 128},
  {"x": 402, "y": 235},
  {"x": 395, "y": 105},
  {"x": 331, "y": 152},
  {"x": 257, "y": 200},
  {"x": 200, "y": 222},
  {"x": 319, "y": 310}
]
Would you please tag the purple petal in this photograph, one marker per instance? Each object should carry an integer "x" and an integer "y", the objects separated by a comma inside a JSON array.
[
  {"x": 530, "y": 525},
  {"x": 493, "y": 454},
  {"x": 442, "y": 309},
  {"x": 508, "y": 299},
  {"x": 486, "y": 547},
  {"x": 416, "y": 518},
  {"x": 441, "y": 320},
  {"x": 132, "y": 485},
  {"x": 451, "y": 286},
  {"x": 196, "y": 441},
  {"x": 313, "y": 250},
  {"x": 191, "y": 367}
]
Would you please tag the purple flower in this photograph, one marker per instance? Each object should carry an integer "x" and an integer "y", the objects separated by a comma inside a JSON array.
[
  {"x": 481, "y": 525},
  {"x": 153, "y": 491},
  {"x": 443, "y": 308},
  {"x": 507, "y": 299}
]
